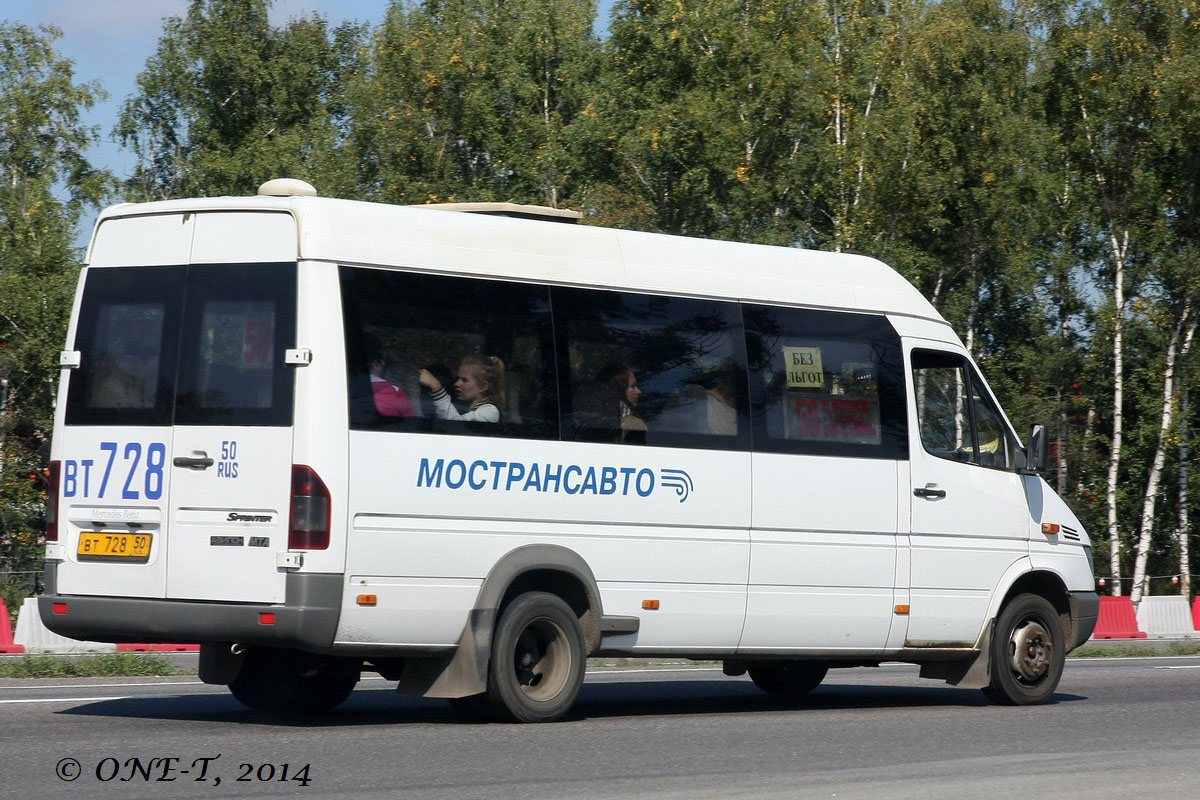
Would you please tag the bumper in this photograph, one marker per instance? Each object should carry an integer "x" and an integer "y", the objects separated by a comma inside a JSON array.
[
  {"x": 307, "y": 620},
  {"x": 1086, "y": 608}
]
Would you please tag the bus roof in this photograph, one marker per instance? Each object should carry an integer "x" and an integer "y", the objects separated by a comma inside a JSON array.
[{"x": 376, "y": 234}]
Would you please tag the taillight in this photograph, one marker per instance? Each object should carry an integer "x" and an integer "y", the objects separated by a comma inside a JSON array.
[
  {"x": 308, "y": 526},
  {"x": 52, "y": 502}
]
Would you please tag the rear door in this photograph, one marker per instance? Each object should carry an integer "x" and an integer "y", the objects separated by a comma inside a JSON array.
[{"x": 231, "y": 446}]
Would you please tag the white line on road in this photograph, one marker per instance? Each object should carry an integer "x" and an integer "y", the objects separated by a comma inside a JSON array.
[{"x": 1182, "y": 666}]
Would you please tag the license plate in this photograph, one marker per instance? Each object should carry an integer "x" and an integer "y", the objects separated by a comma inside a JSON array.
[{"x": 114, "y": 546}]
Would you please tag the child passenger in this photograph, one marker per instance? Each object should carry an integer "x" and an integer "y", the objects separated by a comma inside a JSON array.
[{"x": 479, "y": 384}]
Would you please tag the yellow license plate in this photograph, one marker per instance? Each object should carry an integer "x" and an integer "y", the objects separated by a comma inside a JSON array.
[{"x": 114, "y": 546}]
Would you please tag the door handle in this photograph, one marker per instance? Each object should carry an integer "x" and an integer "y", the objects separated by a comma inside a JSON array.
[
  {"x": 930, "y": 491},
  {"x": 203, "y": 462}
]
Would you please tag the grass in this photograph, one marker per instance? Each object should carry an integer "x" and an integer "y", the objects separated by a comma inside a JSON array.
[
  {"x": 107, "y": 665},
  {"x": 1189, "y": 648}
]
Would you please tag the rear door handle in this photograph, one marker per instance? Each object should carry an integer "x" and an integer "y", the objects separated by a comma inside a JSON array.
[
  {"x": 930, "y": 491},
  {"x": 203, "y": 462}
]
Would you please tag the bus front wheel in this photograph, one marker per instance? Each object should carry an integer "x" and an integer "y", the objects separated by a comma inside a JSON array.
[
  {"x": 538, "y": 660},
  {"x": 1027, "y": 652}
]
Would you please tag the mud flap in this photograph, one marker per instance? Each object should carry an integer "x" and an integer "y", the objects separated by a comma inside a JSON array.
[
  {"x": 219, "y": 664},
  {"x": 973, "y": 674},
  {"x": 460, "y": 675}
]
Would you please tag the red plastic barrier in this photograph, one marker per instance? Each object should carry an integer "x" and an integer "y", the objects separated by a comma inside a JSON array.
[
  {"x": 1117, "y": 619},
  {"x": 6, "y": 635},
  {"x": 1196, "y": 613},
  {"x": 157, "y": 648}
]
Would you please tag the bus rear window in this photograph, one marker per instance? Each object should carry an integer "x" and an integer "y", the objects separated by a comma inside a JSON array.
[
  {"x": 198, "y": 345},
  {"x": 128, "y": 334}
]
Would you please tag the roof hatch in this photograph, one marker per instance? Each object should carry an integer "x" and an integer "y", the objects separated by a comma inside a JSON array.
[{"x": 544, "y": 213}]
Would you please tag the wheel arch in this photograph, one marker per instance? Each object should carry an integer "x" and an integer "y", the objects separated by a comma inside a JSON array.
[
  {"x": 539, "y": 567},
  {"x": 1047, "y": 584}
]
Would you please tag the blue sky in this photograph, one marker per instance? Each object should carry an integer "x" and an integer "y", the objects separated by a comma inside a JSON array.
[{"x": 110, "y": 40}]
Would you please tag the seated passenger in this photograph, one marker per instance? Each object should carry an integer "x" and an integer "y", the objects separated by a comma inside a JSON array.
[
  {"x": 390, "y": 400},
  {"x": 604, "y": 408},
  {"x": 479, "y": 384}
]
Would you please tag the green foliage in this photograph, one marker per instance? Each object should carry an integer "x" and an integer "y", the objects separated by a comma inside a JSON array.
[
  {"x": 107, "y": 665},
  {"x": 45, "y": 185}
]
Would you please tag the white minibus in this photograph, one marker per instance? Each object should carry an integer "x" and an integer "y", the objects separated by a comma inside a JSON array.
[{"x": 467, "y": 451}]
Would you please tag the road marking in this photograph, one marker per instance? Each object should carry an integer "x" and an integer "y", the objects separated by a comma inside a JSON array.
[
  {"x": 61, "y": 699},
  {"x": 121, "y": 685},
  {"x": 1182, "y": 666}
]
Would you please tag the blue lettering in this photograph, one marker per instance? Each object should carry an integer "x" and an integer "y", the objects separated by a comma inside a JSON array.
[
  {"x": 516, "y": 471},
  {"x": 650, "y": 488},
  {"x": 70, "y": 470},
  {"x": 534, "y": 480},
  {"x": 429, "y": 476},
  {"x": 451, "y": 483},
  {"x": 628, "y": 473},
  {"x": 608, "y": 480},
  {"x": 555, "y": 476},
  {"x": 134, "y": 449},
  {"x": 589, "y": 481},
  {"x": 567, "y": 474},
  {"x": 496, "y": 467},
  {"x": 87, "y": 474},
  {"x": 471, "y": 475}
]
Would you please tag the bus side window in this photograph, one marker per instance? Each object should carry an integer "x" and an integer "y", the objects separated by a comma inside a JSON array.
[
  {"x": 645, "y": 369},
  {"x": 398, "y": 324},
  {"x": 825, "y": 383}
]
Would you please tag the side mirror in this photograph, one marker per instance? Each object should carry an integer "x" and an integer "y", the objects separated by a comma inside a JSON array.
[{"x": 1035, "y": 449}]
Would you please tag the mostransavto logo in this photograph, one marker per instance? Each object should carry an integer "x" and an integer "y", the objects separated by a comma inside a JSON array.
[{"x": 572, "y": 479}]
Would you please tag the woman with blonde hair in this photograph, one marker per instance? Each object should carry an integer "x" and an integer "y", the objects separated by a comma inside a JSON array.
[{"x": 479, "y": 383}]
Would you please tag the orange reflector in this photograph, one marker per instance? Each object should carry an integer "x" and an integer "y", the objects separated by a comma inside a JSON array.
[
  {"x": 1049, "y": 528},
  {"x": 902, "y": 608},
  {"x": 650, "y": 605},
  {"x": 367, "y": 599},
  {"x": 266, "y": 618},
  {"x": 60, "y": 608}
]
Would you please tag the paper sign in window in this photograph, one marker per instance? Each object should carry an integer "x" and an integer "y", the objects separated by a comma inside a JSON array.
[{"x": 803, "y": 367}]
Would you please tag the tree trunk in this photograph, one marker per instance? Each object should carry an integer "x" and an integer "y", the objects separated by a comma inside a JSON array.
[
  {"x": 1185, "y": 575},
  {"x": 1160, "y": 454},
  {"x": 1114, "y": 455}
]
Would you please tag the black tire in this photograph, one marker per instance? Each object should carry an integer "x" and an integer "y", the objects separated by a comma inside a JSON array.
[
  {"x": 1028, "y": 652},
  {"x": 287, "y": 680},
  {"x": 787, "y": 678},
  {"x": 537, "y": 663}
]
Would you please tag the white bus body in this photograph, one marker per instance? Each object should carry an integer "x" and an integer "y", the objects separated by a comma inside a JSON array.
[{"x": 813, "y": 474}]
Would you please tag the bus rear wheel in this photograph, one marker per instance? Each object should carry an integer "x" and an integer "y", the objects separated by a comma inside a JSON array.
[
  {"x": 1027, "y": 652},
  {"x": 537, "y": 663},
  {"x": 787, "y": 678},
  {"x": 287, "y": 680}
]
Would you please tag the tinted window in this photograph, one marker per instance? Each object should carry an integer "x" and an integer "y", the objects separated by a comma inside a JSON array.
[
  {"x": 452, "y": 355},
  {"x": 199, "y": 345},
  {"x": 128, "y": 338},
  {"x": 239, "y": 322},
  {"x": 825, "y": 383},
  {"x": 641, "y": 369}
]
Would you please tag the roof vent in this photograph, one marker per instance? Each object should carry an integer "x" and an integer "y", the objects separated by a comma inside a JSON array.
[
  {"x": 287, "y": 187},
  {"x": 544, "y": 213}
]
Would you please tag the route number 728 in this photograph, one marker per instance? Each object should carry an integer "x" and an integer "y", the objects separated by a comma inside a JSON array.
[{"x": 140, "y": 465}]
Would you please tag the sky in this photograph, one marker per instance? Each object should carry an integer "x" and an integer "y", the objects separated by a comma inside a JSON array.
[{"x": 110, "y": 40}]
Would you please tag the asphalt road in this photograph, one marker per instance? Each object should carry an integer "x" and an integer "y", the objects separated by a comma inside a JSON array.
[{"x": 1127, "y": 728}]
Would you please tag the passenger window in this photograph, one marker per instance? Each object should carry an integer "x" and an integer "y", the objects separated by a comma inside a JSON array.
[
  {"x": 642, "y": 369},
  {"x": 825, "y": 383},
  {"x": 957, "y": 420},
  {"x": 239, "y": 322},
  {"x": 451, "y": 355},
  {"x": 128, "y": 338}
]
